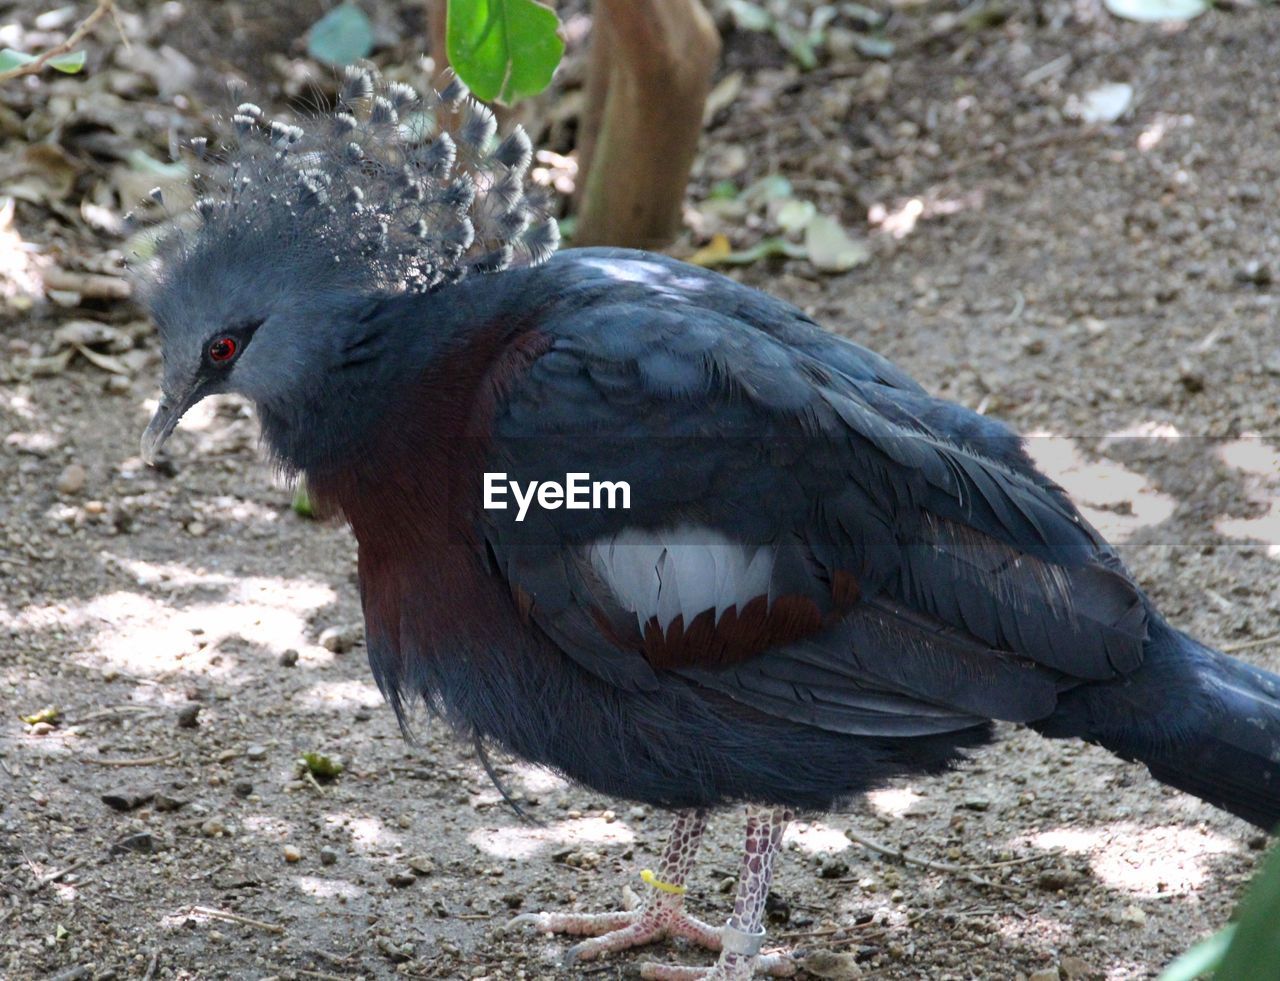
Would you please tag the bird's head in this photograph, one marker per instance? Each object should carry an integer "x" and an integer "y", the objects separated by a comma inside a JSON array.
[{"x": 299, "y": 229}]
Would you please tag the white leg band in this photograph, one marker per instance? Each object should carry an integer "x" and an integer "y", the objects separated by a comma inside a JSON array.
[{"x": 740, "y": 942}]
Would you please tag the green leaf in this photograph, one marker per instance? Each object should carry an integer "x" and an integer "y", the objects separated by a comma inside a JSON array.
[
  {"x": 342, "y": 36},
  {"x": 320, "y": 766},
  {"x": 1153, "y": 11},
  {"x": 871, "y": 46},
  {"x": 798, "y": 44},
  {"x": 718, "y": 252},
  {"x": 1200, "y": 959},
  {"x": 10, "y": 59},
  {"x": 140, "y": 160},
  {"x": 767, "y": 188},
  {"x": 504, "y": 50},
  {"x": 749, "y": 16},
  {"x": 70, "y": 63},
  {"x": 302, "y": 501},
  {"x": 724, "y": 190},
  {"x": 1255, "y": 948},
  {"x": 47, "y": 714}
]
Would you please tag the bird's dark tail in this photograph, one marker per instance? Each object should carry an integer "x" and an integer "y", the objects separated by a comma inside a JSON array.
[{"x": 1201, "y": 721}]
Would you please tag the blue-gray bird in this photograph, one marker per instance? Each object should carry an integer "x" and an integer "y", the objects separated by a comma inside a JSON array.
[{"x": 792, "y": 576}]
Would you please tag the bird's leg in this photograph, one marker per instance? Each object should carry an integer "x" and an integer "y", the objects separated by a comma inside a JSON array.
[
  {"x": 743, "y": 935},
  {"x": 661, "y": 916}
]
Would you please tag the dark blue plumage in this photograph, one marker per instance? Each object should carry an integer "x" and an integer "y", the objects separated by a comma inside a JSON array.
[
  {"x": 825, "y": 577},
  {"x": 982, "y": 593}
]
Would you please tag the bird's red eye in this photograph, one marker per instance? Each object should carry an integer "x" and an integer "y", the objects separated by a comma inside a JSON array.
[{"x": 223, "y": 349}]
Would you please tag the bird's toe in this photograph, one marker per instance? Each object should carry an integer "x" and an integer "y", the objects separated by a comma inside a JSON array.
[{"x": 574, "y": 924}]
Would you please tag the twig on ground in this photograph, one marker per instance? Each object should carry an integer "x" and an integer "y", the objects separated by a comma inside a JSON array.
[
  {"x": 924, "y": 863},
  {"x": 336, "y": 959},
  {"x": 44, "y": 880},
  {"x": 152, "y": 966},
  {"x": 1246, "y": 644},
  {"x": 1024, "y": 860},
  {"x": 110, "y": 712},
  {"x": 140, "y": 761},
  {"x": 219, "y": 914},
  {"x": 303, "y": 972},
  {"x": 75, "y": 37}
]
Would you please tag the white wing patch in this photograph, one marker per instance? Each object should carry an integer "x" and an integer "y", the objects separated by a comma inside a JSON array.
[{"x": 680, "y": 572}]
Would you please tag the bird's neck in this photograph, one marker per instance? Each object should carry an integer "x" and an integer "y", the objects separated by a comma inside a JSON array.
[
  {"x": 417, "y": 423},
  {"x": 392, "y": 377}
]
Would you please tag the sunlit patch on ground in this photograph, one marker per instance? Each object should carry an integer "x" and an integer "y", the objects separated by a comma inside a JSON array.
[
  {"x": 815, "y": 838},
  {"x": 1116, "y": 500},
  {"x": 524, "y": 842},
  {"x": 893, "y": 801},
  {"x": 1163, "y": 861},
  {"x": 339, "y": 696},
  {"x": 1045, "y": 929},
  {"x": 900, "y": 219},
  {"x": 368, "y": 835},
  {"x": 143, "y": 635},
  {"x": 327, "y": 888},
  {"x": 1260, "y": 462}
]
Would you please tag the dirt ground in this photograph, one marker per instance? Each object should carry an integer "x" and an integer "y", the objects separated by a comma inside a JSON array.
[{"x": 1107, "y": 287}]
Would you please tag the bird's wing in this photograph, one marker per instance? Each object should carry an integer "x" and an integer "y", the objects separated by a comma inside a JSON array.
[{"x": 808, "y": 532}]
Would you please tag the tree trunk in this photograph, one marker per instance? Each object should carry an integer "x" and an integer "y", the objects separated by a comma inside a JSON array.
[
  {"x": 437, "y": 19},
  {"x": 648, "y": 77}
]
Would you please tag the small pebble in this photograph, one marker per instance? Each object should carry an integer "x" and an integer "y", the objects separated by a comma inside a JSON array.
[
  {"x": 339, "y": 640},
  {"x": 256, "y": 752},
  {"x": 401, "y": 878},
  {"x": 127, "y": 799},
  {"x": 189, "y": 715},
  {"x": 1076, "y": 969},
  {"x": 833, "y": 868},
  {"x": 1191, "y": 377},
  {"x": 72, "y": 479},
  {"x": 213, "y": 828},
  {"x": 1134, "y": 916},
  {"x": 1255, "y": 273},
  {"x": 1053, "y": 880},
  {"x": 422, "y": 864},
  {"x": 142, "y": 843},
  {"x": 328, "y": 856},
  {"x": 291, "y": 854},
  {"x": 242, "y": 788},
  {"x": 288, "y": 658},
  {"x": 196, "y": 529},
  {"x": 834, "y": 966}
]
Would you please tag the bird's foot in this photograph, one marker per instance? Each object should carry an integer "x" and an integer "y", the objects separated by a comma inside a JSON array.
[{"x": 612, "y": 932}]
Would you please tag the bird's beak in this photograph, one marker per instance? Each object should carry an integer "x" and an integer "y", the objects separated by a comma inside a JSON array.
[{"x": 162, "y": 425}]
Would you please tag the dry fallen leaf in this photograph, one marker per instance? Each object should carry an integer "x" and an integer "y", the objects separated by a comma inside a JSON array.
[{"x": 830, "y": 248}]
